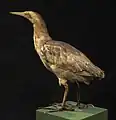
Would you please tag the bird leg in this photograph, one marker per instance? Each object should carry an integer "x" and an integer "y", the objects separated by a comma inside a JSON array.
[
  {"x": 81, "y": 105},
  {"x": 63, "y": 105},
  {"x": 65, "y": 94},
  {"x": 78, "y": 94}
]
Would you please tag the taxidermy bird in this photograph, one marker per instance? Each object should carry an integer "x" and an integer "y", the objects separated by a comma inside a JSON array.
[{"x": 64, "y": 60}]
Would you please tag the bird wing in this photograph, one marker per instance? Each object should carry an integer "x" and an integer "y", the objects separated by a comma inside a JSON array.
[{"x": 66, "y": 57}]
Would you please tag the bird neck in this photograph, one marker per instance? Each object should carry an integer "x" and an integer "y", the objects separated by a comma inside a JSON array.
[
  {"x": 40, "y": 36},
  {"x": 40, "y": 31}
]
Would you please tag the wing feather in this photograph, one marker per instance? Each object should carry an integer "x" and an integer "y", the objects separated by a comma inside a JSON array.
[{"x": 66, "y": 57}]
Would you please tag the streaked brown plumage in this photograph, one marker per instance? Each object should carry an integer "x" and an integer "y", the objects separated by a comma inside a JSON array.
[{"x": 65, "y": 61}]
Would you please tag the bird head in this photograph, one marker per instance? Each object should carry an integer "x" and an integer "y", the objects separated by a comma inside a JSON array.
[
  {"x": 30, "y": 15},
  {"x": 35, "y": 18}
]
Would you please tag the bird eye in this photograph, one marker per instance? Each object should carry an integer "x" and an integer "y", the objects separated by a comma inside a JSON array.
[{"x": 27, "y": 15}]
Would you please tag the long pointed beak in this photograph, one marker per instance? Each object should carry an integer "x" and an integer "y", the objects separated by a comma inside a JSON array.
[
  {"x": 17, "y": 13},
  {"x": 23, "y": 14}
]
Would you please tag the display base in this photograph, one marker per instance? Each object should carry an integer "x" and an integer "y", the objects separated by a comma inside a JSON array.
[{"x": 94, "y": 113}]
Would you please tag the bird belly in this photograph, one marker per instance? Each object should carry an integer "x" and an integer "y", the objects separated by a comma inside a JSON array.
[
  {"x": 70, "y": 76},
  {"x": 66, "y": 74}
]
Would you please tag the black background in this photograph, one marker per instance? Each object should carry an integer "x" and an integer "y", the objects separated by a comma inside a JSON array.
[{"x": 25, "y": 82}]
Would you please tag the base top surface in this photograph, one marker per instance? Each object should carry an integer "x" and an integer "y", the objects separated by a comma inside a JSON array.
[{"x": 79, "y": 114}]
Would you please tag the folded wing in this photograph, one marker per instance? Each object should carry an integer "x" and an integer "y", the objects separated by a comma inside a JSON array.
[{"x": 66, "y": 57}]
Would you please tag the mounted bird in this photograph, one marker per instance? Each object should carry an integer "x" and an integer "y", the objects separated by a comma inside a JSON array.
[{"x": 64, "y": 60}]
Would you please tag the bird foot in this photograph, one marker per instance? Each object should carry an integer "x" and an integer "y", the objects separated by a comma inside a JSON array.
[
  {"x": 66, "y": 107},
  {"x": 58, "y": 107},
  {"x": 84, "y": 106}
]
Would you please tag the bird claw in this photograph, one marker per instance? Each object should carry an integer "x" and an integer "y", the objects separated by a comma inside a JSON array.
[
  {"x": 67, "y": 107},
  {"x": 58, "y": 107},
  {"x": 63, "y": 109},
  {"x": 56, "y": 104},
  {"x": 55, "y": 107},
  {"x": 84, "y": 106},
  {"x": 90, "y": 106}
]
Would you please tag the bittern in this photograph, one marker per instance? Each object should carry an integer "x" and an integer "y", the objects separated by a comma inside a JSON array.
[{"x": 64, "y": 60}]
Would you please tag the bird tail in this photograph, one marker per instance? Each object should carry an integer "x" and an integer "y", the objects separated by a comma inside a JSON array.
[
  {"x": 98, "y": 73},
  {"x": 101, "y": 74}
]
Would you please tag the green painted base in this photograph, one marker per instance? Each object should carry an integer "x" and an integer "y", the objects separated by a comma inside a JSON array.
[{"x": 94, "y": 113}]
